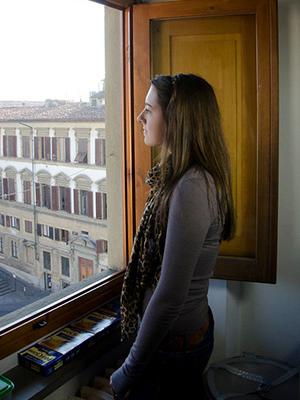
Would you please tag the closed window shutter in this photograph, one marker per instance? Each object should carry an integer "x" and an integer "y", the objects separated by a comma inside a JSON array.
[
  {"x": 68, "y": 200},
  {"x": 68, "y": 152},
  {"x": 27, "y": 192},
  {"x": 5, "y": 146},
  {"x": 55, "y": 198},
  {"x": 12, "y": 146},
  {"x": 47, "y": 148},
  {"x": 54, "y": 149},
  {"x": 90, "y": 205},
  {"x": 101, "y": 246},
  {"x": 11, "y": 189},
  {"x": 9, "y": 146},
  {"x": 56, "y": 234},
  {"x": 98, "y": 205},
  {"x": 76, "y": 201},
  {"x": 5, "y": 187},
  {"x": 7, "y": 221},
  {"x": 48, "y": 197},
  {"x": 37, "y": 194},
  {"x": 103, "y": 155},
  {"x": 28, "y": 226},
  {"x": 64, "y": 235},
  {"x": 26, "y": 146},
  {"x": 36, "y": 147},
  {"x": 62, "y": 198},
  {"x": 98, "y": 246},
  {"x": 97, "y": 152},
  {"x": 42, "y": 144},
  {"x": 104, "y": 200}
]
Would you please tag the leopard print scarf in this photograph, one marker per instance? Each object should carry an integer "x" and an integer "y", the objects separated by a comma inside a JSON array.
[{"x": 143, "y": 270}]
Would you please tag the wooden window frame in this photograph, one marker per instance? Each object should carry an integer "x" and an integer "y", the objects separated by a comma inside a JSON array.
[{"x": 31, "y": 327}]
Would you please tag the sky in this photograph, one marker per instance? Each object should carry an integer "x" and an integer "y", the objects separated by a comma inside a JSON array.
[{"x": 51, "y": 49}]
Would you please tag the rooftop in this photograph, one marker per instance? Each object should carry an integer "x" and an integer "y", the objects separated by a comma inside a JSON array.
[{"x": 50, "y": 110}]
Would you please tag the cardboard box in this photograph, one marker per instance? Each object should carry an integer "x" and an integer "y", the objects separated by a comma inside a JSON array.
[
  {"x": 52, "y": 352},
  {"x": 40, "y": 359}
]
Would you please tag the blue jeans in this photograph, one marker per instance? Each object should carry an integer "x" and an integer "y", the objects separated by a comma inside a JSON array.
[{"x": 176, "y": 375}]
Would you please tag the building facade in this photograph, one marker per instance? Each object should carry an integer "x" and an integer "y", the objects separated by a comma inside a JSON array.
[{"x": 53, "y": 192}]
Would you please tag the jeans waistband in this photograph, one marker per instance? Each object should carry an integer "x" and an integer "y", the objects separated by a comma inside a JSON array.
[{"x": 188, "y": 341}]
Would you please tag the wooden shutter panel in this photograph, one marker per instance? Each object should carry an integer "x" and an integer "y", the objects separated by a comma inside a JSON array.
[
  {"x": 103, "y": 153},
  {"x": 76, "y": 202},
  {"x": 90, "y": 204},
  {"x": 104, "y": 199},
  {"x": 97, "y": 152},
  {"x": 7, "y": 221},
  {"x": 48, "y": 197},
  {"x": 56, "y": 234},
  {"x": 37, "y": 194},
  {"x": 68, "y": 200},
  {"x": 36, "y": 147},
  {"x": 11, "y": 189},
  {"x": 98, "y": 246},
  {"x": 101, "y": 246},
  {"x": 5, "y": 146},
  {"x": 67, "y": 149},
  {"x": 13, "y": 146},
  {"x": 47, "y": 148},
  {"x": 54, "y": 149},
  {"x": 5, "y": 187},
  {"x": 55, "y": 198},
  {"x": 99, "y": 205},
  {"x": 27, "y": 192}
]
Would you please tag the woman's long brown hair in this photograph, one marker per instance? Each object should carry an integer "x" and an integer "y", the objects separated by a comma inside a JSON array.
[{"x": 194, "y": 137}]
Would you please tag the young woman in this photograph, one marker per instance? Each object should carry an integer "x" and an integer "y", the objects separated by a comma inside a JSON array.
[{"x": 188, "y": 212}]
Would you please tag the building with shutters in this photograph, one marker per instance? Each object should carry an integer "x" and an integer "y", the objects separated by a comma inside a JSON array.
[{"x": 53, "y": 191}]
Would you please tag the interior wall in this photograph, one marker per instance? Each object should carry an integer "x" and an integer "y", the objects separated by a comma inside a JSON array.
[{"x": 270, "y": 314}]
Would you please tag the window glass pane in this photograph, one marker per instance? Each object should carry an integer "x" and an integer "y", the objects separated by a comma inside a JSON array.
[
  {"x": 65, "y": 266},
  {"x": 61, "y": 211}
]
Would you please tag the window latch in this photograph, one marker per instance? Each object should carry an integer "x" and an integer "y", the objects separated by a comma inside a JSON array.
[{"x": 39, "y": 324}]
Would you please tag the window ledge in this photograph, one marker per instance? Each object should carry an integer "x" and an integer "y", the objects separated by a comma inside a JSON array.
[{"x": 30, "y": 385}]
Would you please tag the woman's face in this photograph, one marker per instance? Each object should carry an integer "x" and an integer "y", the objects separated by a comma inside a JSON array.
[{"x": 152, "y": 119}]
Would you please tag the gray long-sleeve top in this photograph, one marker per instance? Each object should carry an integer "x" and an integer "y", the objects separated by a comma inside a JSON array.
[{"x": 179, "y": 302}]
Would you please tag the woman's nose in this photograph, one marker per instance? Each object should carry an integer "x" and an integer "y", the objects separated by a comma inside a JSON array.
[{"x": 140, "y": 117}]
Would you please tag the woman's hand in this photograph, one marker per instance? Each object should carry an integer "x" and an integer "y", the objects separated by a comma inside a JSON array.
[{"x": 116, "y": 395}]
